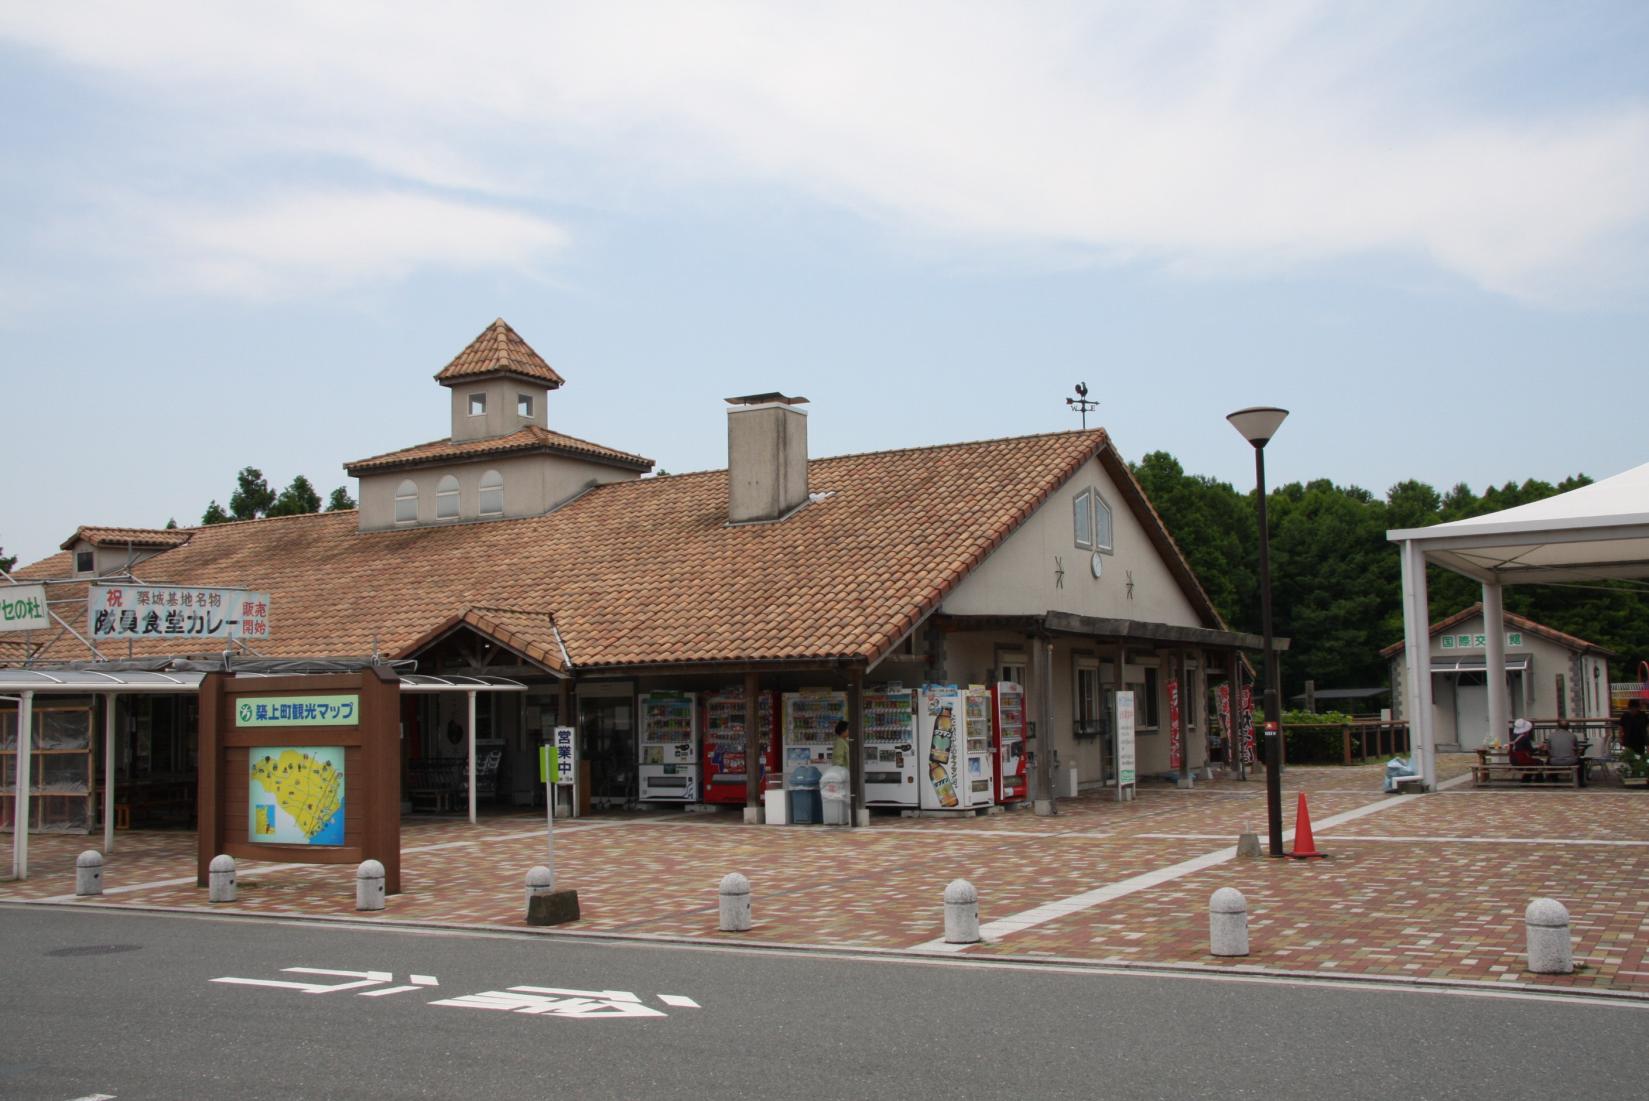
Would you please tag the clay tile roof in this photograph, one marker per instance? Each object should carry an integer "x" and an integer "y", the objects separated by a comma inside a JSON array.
[
  {"x": 120, "y": 537},
  {"x": 532, "y": 438},
  {"x": 499, "y": 350},
  {"x": 1522, "y": 623},
  {"x": 647, "y": 572}
]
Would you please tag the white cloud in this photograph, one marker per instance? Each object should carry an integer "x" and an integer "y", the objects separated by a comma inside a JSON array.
[
  {"x": 1198, "y": 137},
  {"x": 319, "y": 242}
]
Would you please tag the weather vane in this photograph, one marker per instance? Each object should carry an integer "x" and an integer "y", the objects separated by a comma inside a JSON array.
[{"x": 1081, "y": 403}]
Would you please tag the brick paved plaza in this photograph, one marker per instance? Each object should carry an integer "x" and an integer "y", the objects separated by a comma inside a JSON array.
[{"x": 1429, "y": 886}]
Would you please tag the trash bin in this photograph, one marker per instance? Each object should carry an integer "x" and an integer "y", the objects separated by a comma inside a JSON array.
[
  {"x": 836, "y": 795},
  {"x": 804, "y": 797}
]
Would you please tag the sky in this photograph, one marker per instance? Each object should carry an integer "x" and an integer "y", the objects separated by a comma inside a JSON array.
[{"x": 236, "y": 235}]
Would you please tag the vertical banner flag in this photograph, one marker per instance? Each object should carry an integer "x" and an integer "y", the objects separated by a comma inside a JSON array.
[{"x": 1176, "y": 737}]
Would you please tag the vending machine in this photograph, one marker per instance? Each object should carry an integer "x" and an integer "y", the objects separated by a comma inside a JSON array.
[
  {"x": 889, "y": 720},
  {"x": 981, "y": 754},
  {"x": 954, "y": 750},
  {"x": 810, "y": 718},
  {"x": 667, "y": 741},
  {"x": 1008, "y": 736},
  {"x": 723, "y": 757}
]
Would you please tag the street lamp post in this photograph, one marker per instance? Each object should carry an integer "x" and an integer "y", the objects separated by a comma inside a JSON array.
[{"x": 1257, "y": 426}]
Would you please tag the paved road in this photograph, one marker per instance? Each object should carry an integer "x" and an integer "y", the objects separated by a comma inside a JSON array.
[{"x": 125, "y": 1005}]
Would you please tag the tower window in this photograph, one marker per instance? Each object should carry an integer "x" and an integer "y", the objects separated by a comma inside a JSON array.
[
  {"x": 446, "y": 498},
  {"x": 492, "y": 494},
  {"x": 478, "y": 405},
  {"x": 406, "y": 502},
  {"x": 523, "y": 405}
]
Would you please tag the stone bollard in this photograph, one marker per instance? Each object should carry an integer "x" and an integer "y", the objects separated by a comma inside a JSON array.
[
  {"x": 1546, "y": 922},
  {"x": 369, "y": 886},
  {"x": 88, "y": 873},
  {"x": 1227, "y": 923},
  {"x": 540, "y": 881},
  {"x": 1248, "y": 843},
  {"x": 221, "y": 879},
  {"x": 961, "y": 913},
  {"x": 735, "y": 903}
]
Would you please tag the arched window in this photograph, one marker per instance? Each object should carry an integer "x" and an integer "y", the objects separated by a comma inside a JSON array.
[
  {"x": 446, "y": 498},
  {"x": 492, "y": 494},
  {"x": 406, "y": 502}
]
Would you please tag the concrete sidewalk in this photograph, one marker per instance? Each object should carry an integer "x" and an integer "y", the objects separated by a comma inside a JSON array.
[{"x": 1430, "y": 886}]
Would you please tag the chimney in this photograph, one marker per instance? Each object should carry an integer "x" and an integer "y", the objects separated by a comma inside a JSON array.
[{"x": 766, "y": 457}]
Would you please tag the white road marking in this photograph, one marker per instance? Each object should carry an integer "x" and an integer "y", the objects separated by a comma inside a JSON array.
[
  {"x": 1040, "y": 915},
  {"x": 679, "y": 1000}
]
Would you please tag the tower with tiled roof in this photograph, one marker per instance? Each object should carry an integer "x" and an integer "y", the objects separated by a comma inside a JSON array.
[
  {"x": 499, "y": 385},
  {"x": 502, "y": 460}
]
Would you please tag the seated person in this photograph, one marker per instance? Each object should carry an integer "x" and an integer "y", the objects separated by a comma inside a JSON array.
[
  {"x": 1562, "y": 750},
  {"x": 1521, "y": 751}
]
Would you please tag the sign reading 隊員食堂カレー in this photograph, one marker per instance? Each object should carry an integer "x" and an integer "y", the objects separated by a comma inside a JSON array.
[
  {"x": 297, "y": 711},
  {"x": 23, "y": 608},
  {"x": 1478, "y": 641},
  {"x": 296, "y": 795},
  {"x": 175, "y": 611}
]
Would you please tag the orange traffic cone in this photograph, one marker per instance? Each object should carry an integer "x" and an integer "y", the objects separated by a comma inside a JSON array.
[{"x": 1304, "y": 845}]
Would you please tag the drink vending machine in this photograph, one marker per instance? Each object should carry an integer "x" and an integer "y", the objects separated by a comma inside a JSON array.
[
  {"x": 725, "y": 747},
  {"x": 810, "y": 718},
  {"x": 668, "y": 747},
  {"x": 954, "y": 750},
  {"x": 890, "y": 748},
  {"x": 1008, "y": 733}
]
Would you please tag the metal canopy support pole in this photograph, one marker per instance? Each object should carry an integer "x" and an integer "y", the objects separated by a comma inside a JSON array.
[
  {"x": 109, "y": 772},
  {"x": 858, "y": 813},
  {"x": 1044, "y": 648},
  {"x": 1233, "y": 715},
  {"x": 1417, "y": 663},
  {"x": 471, "y": 695},
  {"x": 755, "y": 749},
  {"x": 1494, "y": 661},
  {"x": 20, "y": 805}
]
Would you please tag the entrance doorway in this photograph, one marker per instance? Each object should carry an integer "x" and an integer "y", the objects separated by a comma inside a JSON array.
[{"x": 606, "y": 739}]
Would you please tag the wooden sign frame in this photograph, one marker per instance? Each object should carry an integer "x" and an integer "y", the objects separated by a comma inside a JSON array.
[{"x": 371, "y": 747}]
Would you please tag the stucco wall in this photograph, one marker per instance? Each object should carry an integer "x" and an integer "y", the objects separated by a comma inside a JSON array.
[
  {"x": 532, "y": 484},
  {"x": 501, "y": 417},
  {"x": 1534, "y": 694},
  {"x": 1022, "y": 576}
]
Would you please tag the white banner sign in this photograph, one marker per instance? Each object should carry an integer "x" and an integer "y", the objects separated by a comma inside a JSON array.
[
  {"x": 175, "y": 611},
  {"x": 23, "y": 608},
  {"x": 566, "y": 755},
  {"x": 1125, "y": 740}
]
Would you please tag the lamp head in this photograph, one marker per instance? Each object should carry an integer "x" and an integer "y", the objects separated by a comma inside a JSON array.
[{"x": 1257, "y": 423}]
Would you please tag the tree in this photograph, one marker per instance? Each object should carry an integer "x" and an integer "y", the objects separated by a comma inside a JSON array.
[
  {"x": 296, "y": 499},
  {"x": 171, "y": 523},
  {"x": 340, "y": 501},
  {"x": 215, "y": 515},
  {"x": 252, "y": 497},
  {"x": 7, "y": 561}
]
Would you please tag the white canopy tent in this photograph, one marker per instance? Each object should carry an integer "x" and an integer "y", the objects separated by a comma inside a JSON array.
[{"x": 1597, "y": 532}]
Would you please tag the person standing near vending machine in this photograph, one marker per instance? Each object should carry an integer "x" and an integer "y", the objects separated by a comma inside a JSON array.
[{"x": 841, "y": 753}]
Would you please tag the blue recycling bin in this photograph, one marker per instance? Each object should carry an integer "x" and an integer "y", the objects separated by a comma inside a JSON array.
[{"x": 803, "y": 800}]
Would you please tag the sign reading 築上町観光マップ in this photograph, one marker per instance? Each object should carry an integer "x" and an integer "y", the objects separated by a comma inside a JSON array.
[
  {"x": 175, "y": 611},
  {"x": 297, "y": 711},
  {"x": 23, "y": 608}
]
